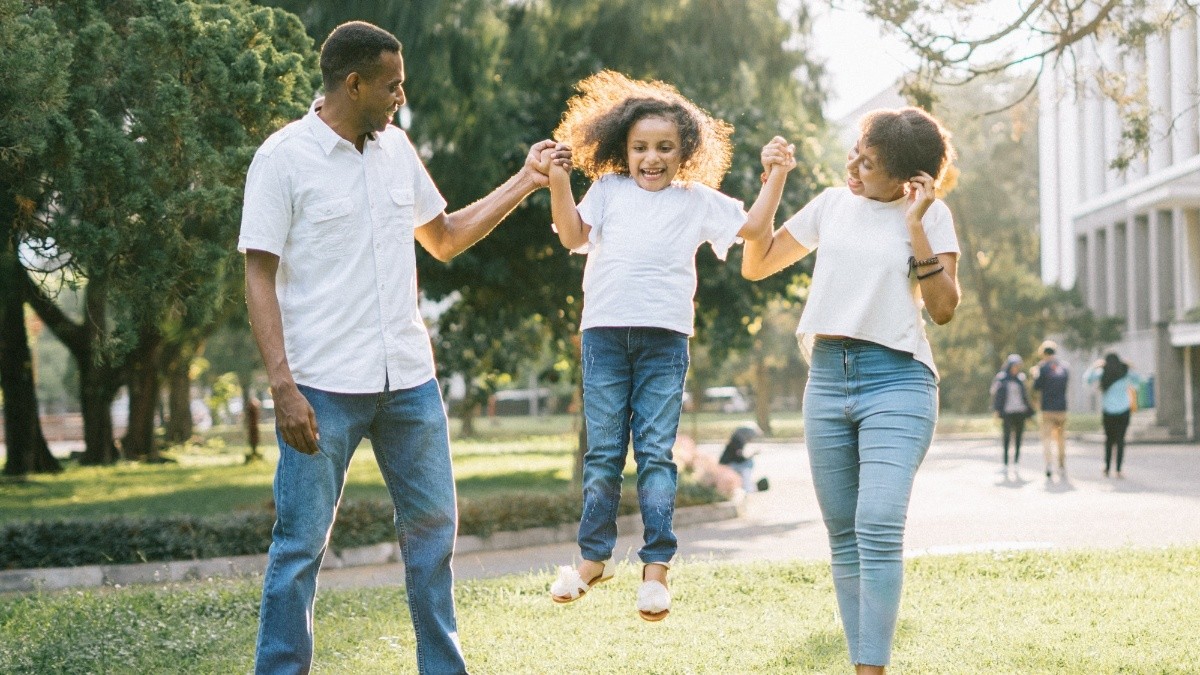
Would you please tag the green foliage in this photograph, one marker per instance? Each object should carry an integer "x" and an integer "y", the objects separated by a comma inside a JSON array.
[
  {"x": 488, "y": 78},
  {"x": 1005, "y": 308}
]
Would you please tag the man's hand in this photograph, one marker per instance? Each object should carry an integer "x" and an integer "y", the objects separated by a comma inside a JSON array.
[
  {"x": 296, "y": 420},
  {"x": 540, "y": 157}
]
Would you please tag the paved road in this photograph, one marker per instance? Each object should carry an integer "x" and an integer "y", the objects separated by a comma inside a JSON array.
[{"x": 962, "y": 501}]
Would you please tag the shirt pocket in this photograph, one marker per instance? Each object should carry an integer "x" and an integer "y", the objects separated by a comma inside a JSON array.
[
  {"x": 329, "y": 230},
  {"x": 401, "y": 214}
]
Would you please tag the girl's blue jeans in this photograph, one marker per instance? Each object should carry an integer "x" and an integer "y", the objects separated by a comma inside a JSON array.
[
  {"x": 408, "y": 432},
  {"x": 869, "y": 414},
  {"x": 632, "y": 386}
]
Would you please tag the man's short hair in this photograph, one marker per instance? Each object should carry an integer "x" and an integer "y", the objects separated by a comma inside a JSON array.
[{"x": 354, "y": 47}]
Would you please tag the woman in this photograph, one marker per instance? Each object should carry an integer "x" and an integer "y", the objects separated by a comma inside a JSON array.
[
  {"x": 888, "y": 248},
  {"x": 1010, "y": 400},
  {"x": 1118, "y": 384}
]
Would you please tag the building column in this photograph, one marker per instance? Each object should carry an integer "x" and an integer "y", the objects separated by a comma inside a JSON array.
[
  {"x": 1095, "y": 277},
  {"x": 1158, "y": 86},
  {"x": 1183, "y": 89},
  {"x": 1132, "y": 279},
  {"x": 1114, "y": 269},
  {"x": 1049, "y": 178},
  {"x": 1069, "y": 175}
]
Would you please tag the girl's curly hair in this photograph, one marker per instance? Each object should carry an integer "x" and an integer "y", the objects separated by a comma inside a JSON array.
[
  {"x": 909, "y": 140},
  {"x": 598, "y": 119}
]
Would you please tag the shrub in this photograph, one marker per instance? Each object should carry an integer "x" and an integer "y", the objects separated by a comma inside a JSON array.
[{"x": 117, "y": 540}]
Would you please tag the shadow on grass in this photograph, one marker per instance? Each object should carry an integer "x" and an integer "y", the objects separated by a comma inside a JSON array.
[{"x": 823, "y": 652}]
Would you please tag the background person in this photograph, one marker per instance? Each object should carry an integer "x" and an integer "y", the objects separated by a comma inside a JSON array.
[
  {"x": 1118, "y": 385},
  {"x": 1010, "y": 401},
  {"x": 738, "y": 458},
  {"x": 1050, "y": 378}
]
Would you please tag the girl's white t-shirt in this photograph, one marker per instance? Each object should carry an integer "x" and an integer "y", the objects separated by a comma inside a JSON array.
[
  {"x": 861, "y": 286},
  {"x": 641, "y": 265}
]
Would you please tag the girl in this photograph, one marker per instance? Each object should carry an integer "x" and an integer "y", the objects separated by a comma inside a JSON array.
[
  {"x": 1118, "y": 385},
  {"x": 887, "y": 248},
  {"x": 1010, "y": 400},
  {"x": 656, "y": 160}
]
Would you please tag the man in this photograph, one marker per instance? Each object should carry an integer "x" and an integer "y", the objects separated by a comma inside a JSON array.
[
  {"x": 1050, "y": 377},
  {"x": 333, "y": 205}
]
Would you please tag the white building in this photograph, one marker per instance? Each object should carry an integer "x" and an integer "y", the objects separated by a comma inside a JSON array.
[{"x": 1130, "y": 241}]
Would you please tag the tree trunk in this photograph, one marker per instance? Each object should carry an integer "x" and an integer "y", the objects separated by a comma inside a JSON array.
[
  {"x": 179, "y": 395},
  {"x": 466, "y": 417},
  {"x": 98, "y": 383},
  {"x": 143, "y": 383},
  {"x": 762, "y": 391},
  {"x": 26, "y": 447}
]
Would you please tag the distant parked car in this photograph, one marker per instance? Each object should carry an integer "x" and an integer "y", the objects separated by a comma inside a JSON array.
[{"x": 725, "y": 399}]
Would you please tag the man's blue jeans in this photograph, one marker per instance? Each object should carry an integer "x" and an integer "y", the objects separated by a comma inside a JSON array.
[
  {"x": 409, "y": 434},
  {"x": 632, "y": 384},
  {"x": 869, "y": 414}
]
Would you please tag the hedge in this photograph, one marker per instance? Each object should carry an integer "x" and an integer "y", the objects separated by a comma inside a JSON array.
[{"x": 120, "y": 539}]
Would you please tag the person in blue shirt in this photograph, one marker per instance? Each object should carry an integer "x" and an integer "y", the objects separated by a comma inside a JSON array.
[
  {"x": 1050, "y": 377},
  {"x": 1118, "y": 384}
]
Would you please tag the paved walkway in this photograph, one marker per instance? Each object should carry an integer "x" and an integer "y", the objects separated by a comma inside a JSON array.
[{"x": 962, "y": 501}]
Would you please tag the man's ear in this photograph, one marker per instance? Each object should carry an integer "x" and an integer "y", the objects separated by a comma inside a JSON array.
[{"x": 352, "y": 83}]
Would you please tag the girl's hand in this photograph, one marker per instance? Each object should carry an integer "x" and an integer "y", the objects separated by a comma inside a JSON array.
[
  {"x": 779, "y": 153},
  {"x": 920, "y": 195},
  {"x": 560, "y": 158}
]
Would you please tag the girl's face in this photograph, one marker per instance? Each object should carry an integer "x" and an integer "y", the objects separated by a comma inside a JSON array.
[
  {"x": 866, "y": 177},
  {"x": 654, "y": 152}
]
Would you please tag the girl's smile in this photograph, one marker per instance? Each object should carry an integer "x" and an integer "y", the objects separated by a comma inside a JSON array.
[{"x": 654, "y": 152}]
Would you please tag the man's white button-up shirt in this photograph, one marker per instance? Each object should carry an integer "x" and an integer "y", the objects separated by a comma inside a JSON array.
[{"x": 342, "y": 224}]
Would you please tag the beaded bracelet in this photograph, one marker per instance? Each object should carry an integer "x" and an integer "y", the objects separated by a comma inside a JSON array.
[
  {"x": 921, "y": 277},
  {"x": 914, "y": 263}
]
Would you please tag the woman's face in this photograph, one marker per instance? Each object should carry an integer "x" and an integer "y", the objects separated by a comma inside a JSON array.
[
  {"x": 866, "y": 177},
  {"x": 654, "y": 152}
]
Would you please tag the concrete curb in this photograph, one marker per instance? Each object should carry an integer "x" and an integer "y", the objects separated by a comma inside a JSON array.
[{"x": 92, "y": 576}]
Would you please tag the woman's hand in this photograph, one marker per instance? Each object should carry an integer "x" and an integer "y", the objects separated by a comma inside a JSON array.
[
  {"x": 778, "y": 153},
  {"x": 920, "y": 195}
]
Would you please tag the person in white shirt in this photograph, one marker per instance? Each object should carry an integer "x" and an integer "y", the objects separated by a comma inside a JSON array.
[
  {"x": 334, "y": 203},
  {"x": 887, "y": 248},
  {"x": 656, "y": 159}
]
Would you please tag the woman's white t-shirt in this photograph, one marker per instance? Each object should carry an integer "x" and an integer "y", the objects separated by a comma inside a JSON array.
[
  {"x": 641, "y": 265},
  {"x": 861, "y": 286}
]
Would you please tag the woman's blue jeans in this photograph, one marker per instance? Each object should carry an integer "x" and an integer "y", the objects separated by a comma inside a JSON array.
[
  {"x": 409, "y": 434},
  {"x": 632, "y": 385},
  {"x": 869, "y": 414}
]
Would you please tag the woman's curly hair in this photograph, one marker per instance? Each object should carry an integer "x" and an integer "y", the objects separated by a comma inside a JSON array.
[
  {"x": 909, "y": 140},
  {"x": 598, "y": 119}
]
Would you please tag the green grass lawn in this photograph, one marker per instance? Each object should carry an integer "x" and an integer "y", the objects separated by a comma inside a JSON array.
[
  {"x": 1030, "y": 612},
  {"x": 210, "y": 482}
]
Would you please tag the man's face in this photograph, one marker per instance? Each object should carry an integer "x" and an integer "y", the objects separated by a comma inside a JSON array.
[{"x": 382, "y": 94}]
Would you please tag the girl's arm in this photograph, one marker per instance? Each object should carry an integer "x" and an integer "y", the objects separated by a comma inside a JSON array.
[
  {"x": 778, "y": 158},
  {"x": 939, "y": 287},
  {"x": 572, "y": 231},
  {"x": 766, "y": 251}
]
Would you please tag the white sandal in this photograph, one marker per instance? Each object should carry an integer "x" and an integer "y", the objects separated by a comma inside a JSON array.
[
  {"x": 653, "y": 599},
  {"x": 569, "y": 586}
]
